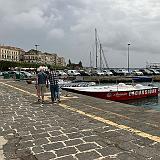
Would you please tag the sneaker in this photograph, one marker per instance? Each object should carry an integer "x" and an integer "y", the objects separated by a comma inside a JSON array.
[
  {"x": 39, "y": 100},
  {"x": 42, "y": 101},
  {"x": 55, "y": 101}
]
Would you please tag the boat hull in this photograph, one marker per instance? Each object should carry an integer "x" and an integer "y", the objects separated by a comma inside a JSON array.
[
  {"x": 142, "y": 79},
  {"x": 119, "y": 95}
]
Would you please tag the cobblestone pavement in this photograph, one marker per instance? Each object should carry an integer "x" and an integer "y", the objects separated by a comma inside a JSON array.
[{"x": 47, "y": 131}]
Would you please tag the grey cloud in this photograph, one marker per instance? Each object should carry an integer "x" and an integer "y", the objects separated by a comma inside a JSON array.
[{"x": 67, "y": 27}]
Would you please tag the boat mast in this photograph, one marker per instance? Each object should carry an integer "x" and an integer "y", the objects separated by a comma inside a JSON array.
[
  {"x": 90, "y": 59},
  {"x": 105, "y": 60},
  {"x": 96, "y": 42},
  {"x": 100, "y": 51}
]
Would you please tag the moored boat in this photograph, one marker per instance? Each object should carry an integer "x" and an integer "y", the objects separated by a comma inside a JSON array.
[
  {"x": 120, "y": 92},
  {"x": 142, "y": 78}
]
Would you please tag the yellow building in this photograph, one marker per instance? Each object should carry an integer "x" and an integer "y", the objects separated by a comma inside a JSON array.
[
  {"x": 61, "y": 61},
  {"x": 34, "y": 56},
  {"x": 8, "y": 53}
]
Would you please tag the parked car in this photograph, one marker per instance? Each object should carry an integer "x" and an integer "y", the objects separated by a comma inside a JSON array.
[
  {"x": 27, "y": 74},
  {"x": 84, "y": 73},
  {"x": 154, "y": 71},
  {"x": 146, "y": 72},
  {"x": 15, "y": 74},
  {"x": 73, "y": 73},
  {"x": 123, "y": 72},
  {"x": 107, "y": 73},
  {"x": 115, "y": 72},
  {"x": 61, "y": 73},
  {"x": 97, "y": 73},
  {"x": 137, "y": 73}
]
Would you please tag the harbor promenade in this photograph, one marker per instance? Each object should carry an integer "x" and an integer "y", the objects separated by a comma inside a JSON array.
[{"x": 78, "y": 128}]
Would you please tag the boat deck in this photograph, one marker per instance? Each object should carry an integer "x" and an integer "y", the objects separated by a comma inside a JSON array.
[{"x": 112, "y": 88}]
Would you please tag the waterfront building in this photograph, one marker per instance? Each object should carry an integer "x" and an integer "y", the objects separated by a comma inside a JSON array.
[
  {"x": 8, "y": 53},
  {"x": 61, "y": 61},
  {"x": 34, "y": 56}
]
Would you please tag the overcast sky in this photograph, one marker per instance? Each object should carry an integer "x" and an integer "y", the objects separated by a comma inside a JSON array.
[{"x": 67, "y": 27}]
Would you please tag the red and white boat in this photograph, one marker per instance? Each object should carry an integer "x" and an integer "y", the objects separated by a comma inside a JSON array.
[{"x": 120, "y": 92}]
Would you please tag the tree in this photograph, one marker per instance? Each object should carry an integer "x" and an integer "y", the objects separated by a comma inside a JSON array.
[
  {"x": 80, "y": 64},
  {"x": 69, "y": 62}
]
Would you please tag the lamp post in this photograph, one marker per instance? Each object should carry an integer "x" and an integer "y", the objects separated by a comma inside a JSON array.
[
  {"x": 36, "y": 45},
  {"x": 128, "y": 55}
]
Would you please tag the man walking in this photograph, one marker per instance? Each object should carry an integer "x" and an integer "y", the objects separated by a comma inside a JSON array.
[
  {"x": 41, "y": 84},
  {"x": 54, "y": 87}
]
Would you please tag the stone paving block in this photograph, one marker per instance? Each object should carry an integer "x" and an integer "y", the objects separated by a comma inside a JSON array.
[
  {"x": 37, "y": 149},
  {"x": 28, "y": 157},
  {"x": 66, "y": 158},
  {"x": 24, "y": 133},
  {"x": 66, "y": 151},
  {"x": 127, "y": 146},
  {"x": 110, "y": 134},
  {"x": 45, "y": 156},
  {"x": 6, "y": 132},
  {"x": 147, "y": 152},
  {"x": 87, "y": 146},
  {"x": 156, "y": 146},
  {"x": 26, "y": 144},
  {"x": 75, "y": 135},
  {"x": 88, "y": 155},
  {"x": 138, "y": 157},
  {"x": 23, "y": 152},
  {"x": 53, "y": 146},
  {"x": 109, "y": 151},
  {"x": 40, "y": 135},
  {"x": 73, "y": 142},
  {"x": 123, "y": 138},
  {"x": 38, "y": 131},
  {"x": 104, "y": 142},
  {"x": 41, "y": 126},
  {"x": 91, "y": 138},
  {"x": 108, "y": 158},
  {"x": 27, "y": 128},
  {"x": 55, "y": 133},
  {"x": 58, "y": 138},
  {"x": 70, "y": 130},
  {"x": 143, "y": 142},
  {"x": 40, "y": 141},
  {"x": 87, "y": 133},
  {"x": 53, "y": 128},
  {"x": 126, "y": 156}
]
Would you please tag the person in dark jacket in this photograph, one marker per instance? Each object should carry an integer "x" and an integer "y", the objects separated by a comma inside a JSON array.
[
  {"x": 54, "y": 87},
  {"x": 41, "y": 84}
]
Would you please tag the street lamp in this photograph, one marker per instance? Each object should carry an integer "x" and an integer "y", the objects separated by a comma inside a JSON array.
[
  {"x": 36, "y": 45},
  {"x": 128, "y": 55}
]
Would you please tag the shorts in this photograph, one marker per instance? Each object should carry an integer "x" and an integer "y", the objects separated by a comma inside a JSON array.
[{"x": 41, "y": 88}]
